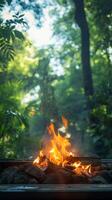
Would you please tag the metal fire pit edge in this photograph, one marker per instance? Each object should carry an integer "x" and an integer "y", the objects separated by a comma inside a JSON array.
[{"x": 55, "y": 191}]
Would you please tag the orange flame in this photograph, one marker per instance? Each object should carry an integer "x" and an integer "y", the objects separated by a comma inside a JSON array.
[
  {"x": 58, "y": 150},
  {"x": 64, "y": 121}
]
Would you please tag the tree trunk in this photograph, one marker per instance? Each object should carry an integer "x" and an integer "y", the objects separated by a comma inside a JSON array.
[{"x": 85, "y": 49}]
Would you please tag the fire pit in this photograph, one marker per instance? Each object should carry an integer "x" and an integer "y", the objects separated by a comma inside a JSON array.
[
  {"x": 21, "y": 179},
  {"x": 24, "y": 172},
  {"x": 57, "y": 172}
]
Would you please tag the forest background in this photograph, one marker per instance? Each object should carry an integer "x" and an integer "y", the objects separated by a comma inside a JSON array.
[{"x": 71, "y": 75}]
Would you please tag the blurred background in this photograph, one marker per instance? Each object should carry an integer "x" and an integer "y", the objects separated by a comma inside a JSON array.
[{"x": 55, "y": 60}]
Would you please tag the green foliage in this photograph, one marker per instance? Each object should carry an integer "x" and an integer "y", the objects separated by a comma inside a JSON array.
[
  {"x": 6, "y": 50},
  {"x": 62, "y": 1},
  {"x": 102, "y": 17},
  {"x": 32, "y": 77},
  {"x": 2, "y": 2},
  {"x": 35, "y": 7},
  {"x": 99, "y": 15},
  {"x": 8, "y": 36},
  {"x": 10, "y": 118}
]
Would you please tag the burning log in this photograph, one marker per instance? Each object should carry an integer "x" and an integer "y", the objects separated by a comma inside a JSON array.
[
  {"x": 36, "y": 173},
  {"x": 53, "y": 174},
  {"x": 13, "y": 175},
  {"x": 63, "y": 176},
  {"x": 60, "y": 177}
]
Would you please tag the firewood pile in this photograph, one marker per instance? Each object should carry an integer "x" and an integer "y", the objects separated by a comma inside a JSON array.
[{"x": 53, "y": 174}]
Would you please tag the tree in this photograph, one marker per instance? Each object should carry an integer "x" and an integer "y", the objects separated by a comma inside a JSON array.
[
  {"x": 44, "y": 80},
  {"x": 80, "y": 18}
]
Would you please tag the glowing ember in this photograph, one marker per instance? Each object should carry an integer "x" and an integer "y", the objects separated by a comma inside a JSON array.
[{"x": 58, "y": 151}]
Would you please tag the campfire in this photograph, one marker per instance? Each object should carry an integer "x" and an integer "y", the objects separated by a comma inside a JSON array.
[
  {"x": 59, "y": 152},
  {"x": 57, "y": 163}
]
